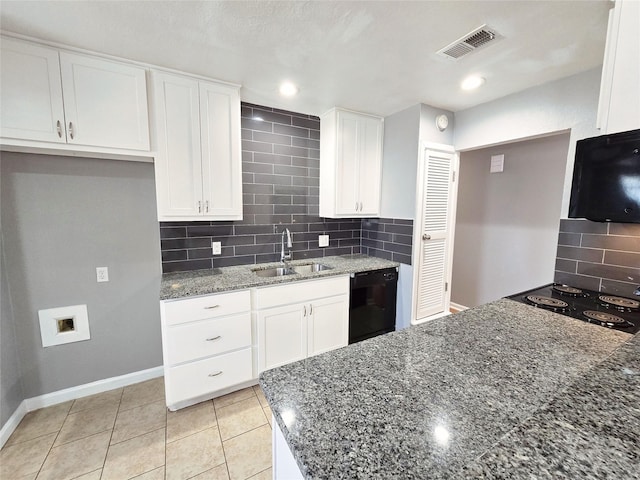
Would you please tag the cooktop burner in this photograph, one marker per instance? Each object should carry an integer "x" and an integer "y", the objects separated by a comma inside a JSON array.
[
  {"x": 617, "y": 313},
  {"x": 567, "y": 290},
  {"x": 620, "y": 303},
  {"x": 604, "y": 317},
  {"x": 547, "y": 302}
]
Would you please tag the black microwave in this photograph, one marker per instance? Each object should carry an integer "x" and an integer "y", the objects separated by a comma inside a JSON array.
[{"x": 606, "y": 178}]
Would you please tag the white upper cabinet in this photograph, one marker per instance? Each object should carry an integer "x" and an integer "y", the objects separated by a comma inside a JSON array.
[
  {"x": 350, "y": 164},
  {"x": 31, "y": 92},
  {"x": 59, "y": 97},
  {"x": 105, "y": 102},
  {"x": 619, "y": 107},
  {"x": 198, "y": 161}
]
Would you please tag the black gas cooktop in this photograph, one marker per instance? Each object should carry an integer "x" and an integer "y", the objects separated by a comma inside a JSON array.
[{"x": 611, "y": 311}]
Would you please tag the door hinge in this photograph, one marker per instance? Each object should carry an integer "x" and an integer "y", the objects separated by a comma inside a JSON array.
[{"x": 446, "y": 286}]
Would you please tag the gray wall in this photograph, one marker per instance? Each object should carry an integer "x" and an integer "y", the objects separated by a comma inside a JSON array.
[
  {"x": 61, "y": 218},
  {"x": 403, "y": 133},
  {"x": 11, "y": 392},
  {"x": 570, "y": 103},
  {"x": 507, "y": 223}
]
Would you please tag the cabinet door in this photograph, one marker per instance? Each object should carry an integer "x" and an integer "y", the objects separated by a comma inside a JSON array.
[
  {"x": 178, "y": 158},
  {"x": 347, "y": 153},
  {"x": 369, "y": 165},
  {"x": 105, "y": 103},
  {"x": 282, "y": 335},
  {"x": 221, "y": 151},
  {"x": 328, "y": 324},
  {"x": 31, "y": 93}
]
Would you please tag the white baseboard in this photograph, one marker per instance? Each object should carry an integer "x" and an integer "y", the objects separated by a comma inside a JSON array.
[
  {"x": 13, "y": 422},
  {"x": 53, "y": 398},
  {"x": 458, "y": 307},
  {"x": 92, "y": 388}
]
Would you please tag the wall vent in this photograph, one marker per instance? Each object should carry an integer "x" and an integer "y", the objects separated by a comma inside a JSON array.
[{"x": 478, "y": 38}]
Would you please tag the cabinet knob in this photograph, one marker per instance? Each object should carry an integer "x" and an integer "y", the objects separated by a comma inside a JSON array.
[
  {"x": 71, "y": 130},
  {"x": 311, "y": 309},
  {"x": 215, "y": 374},
  {"x": 305, "y": 311},
  {"x": 206, "y": 206},
  {"x": 59, "y": 128},
  {"x": 426, "y": 236},
  {"x": 199, "y": 206},
  {"x": 211, "y": 307},
  {"x": 217, "y": 337}
]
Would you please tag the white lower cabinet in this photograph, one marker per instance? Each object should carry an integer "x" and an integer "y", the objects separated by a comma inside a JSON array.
[
  {"x": 298, "y": 320},
  {"x": 207, "y": 346}
]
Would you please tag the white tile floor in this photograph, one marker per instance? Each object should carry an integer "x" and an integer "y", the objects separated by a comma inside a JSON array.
[{"x": 128, "y": 433}]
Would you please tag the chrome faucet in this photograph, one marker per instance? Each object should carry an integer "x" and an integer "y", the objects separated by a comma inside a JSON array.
[{"x": 287, "y": 256}]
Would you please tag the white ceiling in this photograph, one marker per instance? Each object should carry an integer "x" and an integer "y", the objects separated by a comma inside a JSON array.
[{"x": 377, "y": 57}]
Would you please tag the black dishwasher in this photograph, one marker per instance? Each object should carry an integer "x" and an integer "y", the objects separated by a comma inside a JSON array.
[{"x": 372, "y": 306}]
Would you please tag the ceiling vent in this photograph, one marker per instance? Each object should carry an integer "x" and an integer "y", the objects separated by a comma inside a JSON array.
[{"x": 471, "y": 42}]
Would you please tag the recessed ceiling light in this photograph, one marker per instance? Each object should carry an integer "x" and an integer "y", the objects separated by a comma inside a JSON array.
[
  {"x": 288, "y": 89},
  {"x": 472, "y": 82}
]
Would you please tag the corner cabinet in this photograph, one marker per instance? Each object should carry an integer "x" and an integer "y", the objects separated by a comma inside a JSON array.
[
  {"x": 207, "y": 346},
  {"x": 350, "y": 164},
  {"x": 316, "y": 321},
  {"x": 65, "y": 98},
  {"x": 198, "y": 162}
]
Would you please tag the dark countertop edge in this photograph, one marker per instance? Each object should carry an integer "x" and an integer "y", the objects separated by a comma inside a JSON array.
[{"x": 251, "y": 280}]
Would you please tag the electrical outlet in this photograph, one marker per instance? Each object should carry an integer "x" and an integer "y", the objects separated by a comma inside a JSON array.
[
  {"x": 102, "y": 274},
  {"x": 323, "y": 240},
  {"x": 216, "y": 248}
]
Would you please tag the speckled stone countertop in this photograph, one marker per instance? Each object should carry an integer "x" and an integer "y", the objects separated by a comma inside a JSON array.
[
  {"x": 504, "y": 390},
  {"x": 203, "y": 282}
]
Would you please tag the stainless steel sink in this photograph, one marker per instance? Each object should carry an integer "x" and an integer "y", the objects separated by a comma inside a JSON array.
[
  {"x": 311, "y": 268},
  {"x": 274, "y": 272}
]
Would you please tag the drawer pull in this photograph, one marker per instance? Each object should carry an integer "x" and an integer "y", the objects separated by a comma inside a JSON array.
[
  {"x": 210, "y": 307},
  {"x": 215, "y": 374},
  {"x": 217, "y": 337}
]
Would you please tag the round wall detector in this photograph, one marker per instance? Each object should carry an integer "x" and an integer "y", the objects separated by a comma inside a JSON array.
[{"x": 442, "y": 122}]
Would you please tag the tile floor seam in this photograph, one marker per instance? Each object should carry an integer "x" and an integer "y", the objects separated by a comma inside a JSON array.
[
  {"x": 53, "y": 443},
  {"x": 250, "y": 430},
  {"x": 80, "y": 438},
  {"x": 256, "y": 474},
  {"x": 137, "y": 436}
]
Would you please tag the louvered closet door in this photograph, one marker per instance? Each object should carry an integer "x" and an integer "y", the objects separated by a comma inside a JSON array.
[{"x": 431, "y": 295}]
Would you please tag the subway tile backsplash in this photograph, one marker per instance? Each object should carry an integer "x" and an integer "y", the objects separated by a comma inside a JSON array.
[
  {"x": 281, "y": 176},
  {"x": 599, "y": 256},
  {"x": 388, "y": 238}
]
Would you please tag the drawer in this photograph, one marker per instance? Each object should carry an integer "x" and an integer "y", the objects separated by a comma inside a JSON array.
[
  {"x": 205, "y": 376},
  {"x": 210, "y": 306},
  {"x": 195, "y": 340},
  {"x": 299, "y": 292}
]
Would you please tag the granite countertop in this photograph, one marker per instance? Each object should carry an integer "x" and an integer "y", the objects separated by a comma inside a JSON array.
[
  {"x": 204, "y": 282},
  {"x": 504, "y": 390}
]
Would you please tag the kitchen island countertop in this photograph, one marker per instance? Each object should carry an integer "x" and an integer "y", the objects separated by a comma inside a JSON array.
[{"x": 504, "y": 390}]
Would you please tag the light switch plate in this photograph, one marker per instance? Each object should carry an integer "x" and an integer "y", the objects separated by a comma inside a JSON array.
[
  {"x": 323, "y": 240},
  {"x": 216, "y": 248},
  {"x": 497, "y": 163}
]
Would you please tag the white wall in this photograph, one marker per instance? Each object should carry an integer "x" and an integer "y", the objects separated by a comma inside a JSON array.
[
  {"x": 567, "y": 104},
  {"x": 507, "y": 223}
]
